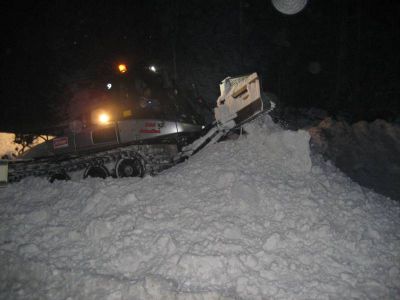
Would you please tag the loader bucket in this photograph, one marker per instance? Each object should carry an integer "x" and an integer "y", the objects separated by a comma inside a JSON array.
[{"x": 240, "y": 101}]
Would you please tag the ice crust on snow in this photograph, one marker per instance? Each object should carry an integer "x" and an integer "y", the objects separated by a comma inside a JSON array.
[{"x": 253, "y": 218}]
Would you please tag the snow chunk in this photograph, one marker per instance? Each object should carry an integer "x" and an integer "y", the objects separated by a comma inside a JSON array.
[{"x": 272, "y": 242}]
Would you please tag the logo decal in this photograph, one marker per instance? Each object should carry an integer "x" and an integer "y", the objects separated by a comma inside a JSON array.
[
  {"x": 150, "y": 127},
  {"x": 150, "y": 130},
  {"x": 60, "y": 142}
]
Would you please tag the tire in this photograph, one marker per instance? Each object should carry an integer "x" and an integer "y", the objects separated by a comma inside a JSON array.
[
  {"x": 59, "y": 176},
  {"x": 96, "y": 172},
  {"x": 129, "y": 167}
]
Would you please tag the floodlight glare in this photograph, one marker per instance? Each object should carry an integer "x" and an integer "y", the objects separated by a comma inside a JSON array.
[
  {"x": 104, "y": 118},
  {"x": 153, "y": 69},
  {"x": 122, "y": 68}
]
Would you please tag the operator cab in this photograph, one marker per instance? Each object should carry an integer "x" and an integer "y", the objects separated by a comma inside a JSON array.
[{"x": 146, "y": 93}]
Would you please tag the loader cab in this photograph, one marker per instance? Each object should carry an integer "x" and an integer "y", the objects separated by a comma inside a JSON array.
[
  {"x": 138, "y": 93},
  {"x": 147, "y": 94}
]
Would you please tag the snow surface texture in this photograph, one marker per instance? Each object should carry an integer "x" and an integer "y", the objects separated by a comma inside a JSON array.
[
  {"x": 253, "y": 218},
  {"x": 369, "y": 153}
]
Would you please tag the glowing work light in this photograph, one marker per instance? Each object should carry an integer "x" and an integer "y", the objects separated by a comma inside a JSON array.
[
  {"x": 104, "y": 118},
  {"x": 153, "y": 69},
  {"x": 101, "y": 116},
  {"x": 122, "y": 68}
]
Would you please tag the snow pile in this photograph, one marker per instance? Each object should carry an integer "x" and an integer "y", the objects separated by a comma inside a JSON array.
[
  {"x": 369, "y": 153},
  {"x": 252, "y": 218}
]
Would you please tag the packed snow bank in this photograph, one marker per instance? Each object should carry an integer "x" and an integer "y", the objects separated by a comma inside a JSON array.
[
  {"x": 369, "y": 153},
  {"x": 252, "y": 218}
]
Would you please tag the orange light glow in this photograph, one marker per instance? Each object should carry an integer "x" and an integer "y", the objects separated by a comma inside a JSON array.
[
  {"x": 104, "y": 118},
  {"x": 122, "y": 68}
]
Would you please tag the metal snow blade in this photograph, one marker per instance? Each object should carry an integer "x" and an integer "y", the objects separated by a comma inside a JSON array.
[{"x": 240, "y": 102}]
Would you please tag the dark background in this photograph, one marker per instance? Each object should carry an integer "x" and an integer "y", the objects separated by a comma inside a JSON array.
[{"x": 339, "y": 55}]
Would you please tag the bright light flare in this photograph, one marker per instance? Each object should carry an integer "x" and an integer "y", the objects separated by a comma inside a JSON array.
[
  {"x": 122, "y": 68},
  {"x": 153, "y": 69},
  {"x": 104, "y": 118}
]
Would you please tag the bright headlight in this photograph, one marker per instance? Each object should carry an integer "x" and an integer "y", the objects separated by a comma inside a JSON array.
[
  {"x": 122, "y": 68},
  {"x": 104, "y": 118}
]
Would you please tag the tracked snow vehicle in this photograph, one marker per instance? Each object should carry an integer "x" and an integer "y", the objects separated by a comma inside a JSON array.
[{"x": 120, "y": 145}]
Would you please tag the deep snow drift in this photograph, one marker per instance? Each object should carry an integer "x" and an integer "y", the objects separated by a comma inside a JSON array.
[
  {"x": 369, "y": 153},
  {"x": 252, "y": 218}
]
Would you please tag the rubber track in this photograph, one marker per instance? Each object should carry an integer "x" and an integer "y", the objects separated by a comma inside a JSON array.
[{"x": 154, "y": 158}]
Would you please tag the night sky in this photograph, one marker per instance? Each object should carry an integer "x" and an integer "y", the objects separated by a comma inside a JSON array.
[{"x": 341, "y": 55}]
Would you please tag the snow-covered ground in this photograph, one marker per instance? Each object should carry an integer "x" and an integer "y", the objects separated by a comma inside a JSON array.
[{"x": 252, "y": 218}]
